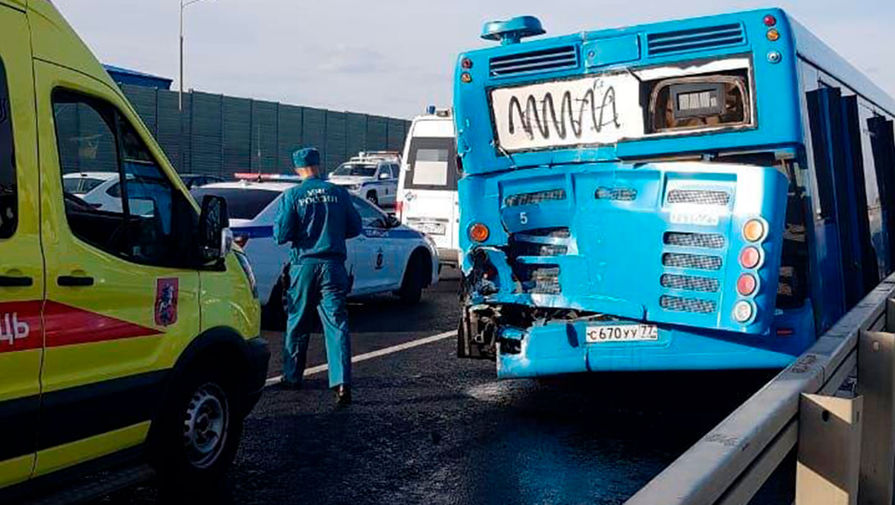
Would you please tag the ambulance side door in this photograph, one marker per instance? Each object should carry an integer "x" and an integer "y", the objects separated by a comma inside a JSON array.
[
  {"x": 21, "y": 264},
  {"x": 121, "y": 305}
]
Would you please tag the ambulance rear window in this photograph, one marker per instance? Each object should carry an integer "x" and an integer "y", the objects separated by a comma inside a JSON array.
[
  {"x": 9, "y": 203},
  {"x": 241, "y": 203},
  {"x": 432, "y": 164}
]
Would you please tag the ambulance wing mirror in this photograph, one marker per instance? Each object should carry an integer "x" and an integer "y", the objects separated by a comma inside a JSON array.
[{"x": 215, "y": 237}]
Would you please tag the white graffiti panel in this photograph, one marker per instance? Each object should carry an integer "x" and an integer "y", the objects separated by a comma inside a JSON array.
[{"x": 590, "y": 111}]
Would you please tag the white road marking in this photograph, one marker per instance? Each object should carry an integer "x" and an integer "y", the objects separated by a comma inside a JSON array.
[{"x": 373, "y": 354}]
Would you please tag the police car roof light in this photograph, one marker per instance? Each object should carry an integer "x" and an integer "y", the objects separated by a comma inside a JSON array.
[
  {"x": 246, "y": 176},
  {"x": 512, "y": 30}
]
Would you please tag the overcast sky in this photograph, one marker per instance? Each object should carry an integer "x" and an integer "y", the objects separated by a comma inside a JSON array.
[{"x": 393, "y": 57}]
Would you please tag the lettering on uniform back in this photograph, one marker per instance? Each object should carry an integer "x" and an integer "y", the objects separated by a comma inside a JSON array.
[{"x": 318, "y": 195}]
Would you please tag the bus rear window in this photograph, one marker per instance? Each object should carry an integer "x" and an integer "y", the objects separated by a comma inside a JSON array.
[
  {"x": 700, "y": 102},
  {"x": 432, "y": 164},
  {"x": 241, "y": 203}
]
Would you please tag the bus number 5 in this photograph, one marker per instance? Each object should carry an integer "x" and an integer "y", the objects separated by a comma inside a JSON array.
[{"x": 523, "y": 218}]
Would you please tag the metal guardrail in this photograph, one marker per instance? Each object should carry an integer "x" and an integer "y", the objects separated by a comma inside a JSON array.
[{"x": 731, "y": 463}]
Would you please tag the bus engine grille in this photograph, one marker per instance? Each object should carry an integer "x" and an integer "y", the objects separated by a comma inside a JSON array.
[
  {"x": 680, "y": 304},
  {"x": 699, "y": 197},
  {"x": 694, "y": 39},
  {"x": 535, "y": 198},
  {"x": 701, "y": 240},
  {"x": 690, "y": 283},
  {"x": 544, "y": 60},
  {"x": 695, "y": 261}
]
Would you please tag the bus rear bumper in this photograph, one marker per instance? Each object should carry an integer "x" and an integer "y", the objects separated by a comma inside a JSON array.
[{"x": 562, "y": 348}]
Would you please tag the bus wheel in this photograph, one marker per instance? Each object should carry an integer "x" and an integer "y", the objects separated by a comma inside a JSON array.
[
  {"x": 199, "y": 431},
  {"x": 372, "y": 198}
]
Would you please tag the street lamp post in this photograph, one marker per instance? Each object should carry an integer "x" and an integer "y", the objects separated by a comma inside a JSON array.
[{"x": 183, "y": 4}]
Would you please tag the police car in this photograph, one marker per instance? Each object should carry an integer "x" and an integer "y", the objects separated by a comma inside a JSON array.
[
  {"x": 372, "y": 175},
  {"x": 386, "y": 258}
]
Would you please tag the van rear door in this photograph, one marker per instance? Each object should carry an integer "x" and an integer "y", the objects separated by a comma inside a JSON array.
[
  {"x": 21, "y": 268},
  {"x": 430, "y": 190}
]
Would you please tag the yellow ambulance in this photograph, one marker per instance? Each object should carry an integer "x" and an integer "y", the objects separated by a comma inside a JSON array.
[{"x": 128, "y": 327}]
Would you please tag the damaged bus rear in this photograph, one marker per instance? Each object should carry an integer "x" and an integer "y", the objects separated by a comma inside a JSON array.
[{"x": 624, "y": 197}]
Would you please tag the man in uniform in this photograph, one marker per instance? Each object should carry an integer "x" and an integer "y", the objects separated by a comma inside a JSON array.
[{"x": 316, "y": 217}]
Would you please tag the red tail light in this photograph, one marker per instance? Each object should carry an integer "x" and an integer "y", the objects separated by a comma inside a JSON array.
[{"x": 399, "y": 209}]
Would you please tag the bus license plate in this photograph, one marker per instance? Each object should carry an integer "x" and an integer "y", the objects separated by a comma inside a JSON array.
[
  {"x": 431, "y": 228},
  {"x": 622, "y": 333}
]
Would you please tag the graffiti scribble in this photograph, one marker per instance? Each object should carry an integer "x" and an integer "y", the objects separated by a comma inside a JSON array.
[{"x": 534, "y": 119}]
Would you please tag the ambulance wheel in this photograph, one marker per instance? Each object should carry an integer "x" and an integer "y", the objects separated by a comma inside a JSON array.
[
  {"x": 199, "y": 429},
  {"x": 414, "y": 280},
  {"x": 372, "y": 198}
]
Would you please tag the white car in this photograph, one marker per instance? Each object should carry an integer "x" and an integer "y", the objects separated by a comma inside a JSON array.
[
  {"x": 96, "y": 188},
  {"x": 386, "y": 258},
  {"x": 427, "y": 188},
  {"x": 373, "y": 176}
]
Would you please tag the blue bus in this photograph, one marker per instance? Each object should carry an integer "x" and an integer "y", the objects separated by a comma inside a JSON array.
[{"x": 707, "y": 193}]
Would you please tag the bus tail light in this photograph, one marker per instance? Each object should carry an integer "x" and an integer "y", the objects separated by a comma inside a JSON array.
[
  {"x": 399, "y": 210},
  {"x": 753, "y": 230},
  {"x": 746, "y": 284},
  {"x": 750, "y": 257},
  {"x": 770, "y": 20},
  {"x": 479, "y": 232},
  {"x": 743, "y": 311}
]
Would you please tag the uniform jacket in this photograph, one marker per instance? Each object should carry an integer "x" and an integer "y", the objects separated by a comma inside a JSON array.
[{"x": 316, "y": 217}]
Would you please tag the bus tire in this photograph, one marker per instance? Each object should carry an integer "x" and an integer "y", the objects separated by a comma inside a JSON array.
[
  {"x": 372, "y": 198},
  {"x": 200, "y": 426}
]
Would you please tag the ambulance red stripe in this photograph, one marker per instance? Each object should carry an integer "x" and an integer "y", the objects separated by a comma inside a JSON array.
[{"x": 20, "y": 326}]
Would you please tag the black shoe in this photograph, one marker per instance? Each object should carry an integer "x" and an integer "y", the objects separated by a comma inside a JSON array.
[
  {"x": 285, "y": 385},
  {"x": 343, "y": 395}
]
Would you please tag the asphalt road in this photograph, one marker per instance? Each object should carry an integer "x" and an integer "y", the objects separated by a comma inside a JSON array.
[{"x": 426, "y": 427}]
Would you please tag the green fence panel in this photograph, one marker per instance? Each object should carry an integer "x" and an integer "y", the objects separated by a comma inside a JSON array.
[
  {"x": 222, "y": 135},
  {"x": 313, "y": 131},
  {"x": 377, "y": 133},
  {"x": 396, "y": 131},
  {"x": 356, "y": 129},
  {"x": 208, "y": 153},
  {"x": 145, "y": 102},
  {"x": 289, "y": 136},
  {"x": 169, "y": 125},
  {"x": 336, "y": 140},
  {"x": 236, "y": 135},
  {"x": 264, "y": 136}
]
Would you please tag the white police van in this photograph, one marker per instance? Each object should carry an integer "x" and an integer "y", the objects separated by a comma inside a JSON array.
[
  {"x": 427, "y": 186},
  {"x": 386, "y": 258},
  {"x": 372, "y": 175}
]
